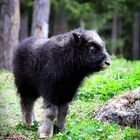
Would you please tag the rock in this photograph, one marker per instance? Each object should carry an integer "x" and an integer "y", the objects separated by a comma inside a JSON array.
[{"x": 123, "y": 109}]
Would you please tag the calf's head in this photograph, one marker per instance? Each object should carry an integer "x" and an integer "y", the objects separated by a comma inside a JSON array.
[{"x": 91, "y": 50}]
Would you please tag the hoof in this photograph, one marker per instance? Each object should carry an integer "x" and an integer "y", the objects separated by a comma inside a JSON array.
[
  {"x": 42, "y": 135},
  {"x": 56, "y": 129}
]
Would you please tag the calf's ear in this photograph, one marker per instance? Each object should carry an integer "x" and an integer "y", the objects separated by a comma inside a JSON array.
[
  {"x": 79, "y": 38},
  {"x": 76, "y": 36}
]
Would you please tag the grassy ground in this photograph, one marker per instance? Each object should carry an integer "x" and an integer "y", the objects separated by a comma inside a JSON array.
[{"x": 95, "y": 91}]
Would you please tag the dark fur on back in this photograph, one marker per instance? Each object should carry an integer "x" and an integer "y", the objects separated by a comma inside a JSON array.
[{"x": 54, "y": 67}]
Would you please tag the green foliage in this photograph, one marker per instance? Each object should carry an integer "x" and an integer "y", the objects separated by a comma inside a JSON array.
[
  {"x": 123, "y": 75},
  {"x": 89, "y": 129},
  {"x": 26, "y": 6},
  {"x": 34, "y": 127},
  {"x": 85, "y": 128}
]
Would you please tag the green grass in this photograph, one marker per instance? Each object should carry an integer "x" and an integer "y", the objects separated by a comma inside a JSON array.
[
  {"x": 95, "y": 91},
  {"x": 122, "y": 76}
]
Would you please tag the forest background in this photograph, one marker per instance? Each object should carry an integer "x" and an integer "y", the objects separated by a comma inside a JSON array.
[{"x": 118, "y": 22}]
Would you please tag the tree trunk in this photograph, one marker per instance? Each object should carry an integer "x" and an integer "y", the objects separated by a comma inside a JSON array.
[
  {"x": 136, "y": 36},
  {"x": 9, "y": 31},
  {"x": 41, "y": 14},
  {"x": 114, "y": 32},
  {"x": 23, "y": 27},
  {"x": 60, "y": 21}
]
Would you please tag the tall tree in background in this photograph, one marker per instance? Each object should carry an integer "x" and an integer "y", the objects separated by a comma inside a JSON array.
[
  {"x": 23, "y": 33},
  {"x": 136, "y": 36},
  {"x": 26, "y": 9},
  {"x": 60, "y": 24},
  {"x": 114, "y": 32},
  {"x": 40, "y": 21},
  {"x": 9, "y": 30}
]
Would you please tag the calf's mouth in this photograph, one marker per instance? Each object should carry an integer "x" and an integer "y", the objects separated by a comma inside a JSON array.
[{"x": 105, "y": 63}]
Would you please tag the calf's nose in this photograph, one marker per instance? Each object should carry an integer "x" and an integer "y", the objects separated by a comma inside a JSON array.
[{"x": 107, "y": 63}]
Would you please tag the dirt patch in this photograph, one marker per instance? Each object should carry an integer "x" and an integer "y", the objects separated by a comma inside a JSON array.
[{"x": 15, "y": 137}]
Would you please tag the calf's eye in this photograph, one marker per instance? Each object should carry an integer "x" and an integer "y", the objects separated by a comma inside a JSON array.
[{"x": 92, "y": 49}]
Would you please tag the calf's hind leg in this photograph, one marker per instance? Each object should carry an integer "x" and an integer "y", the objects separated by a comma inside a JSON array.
[{"x": 27, "y": 108}]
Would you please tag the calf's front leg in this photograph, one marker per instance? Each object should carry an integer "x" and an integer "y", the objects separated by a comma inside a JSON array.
[
  {"x": 61, "y": 117},
  {"x": 46, "y": 129}
]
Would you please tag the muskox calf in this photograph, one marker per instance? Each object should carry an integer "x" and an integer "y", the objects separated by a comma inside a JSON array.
[{"x": 54, "y": 68}]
